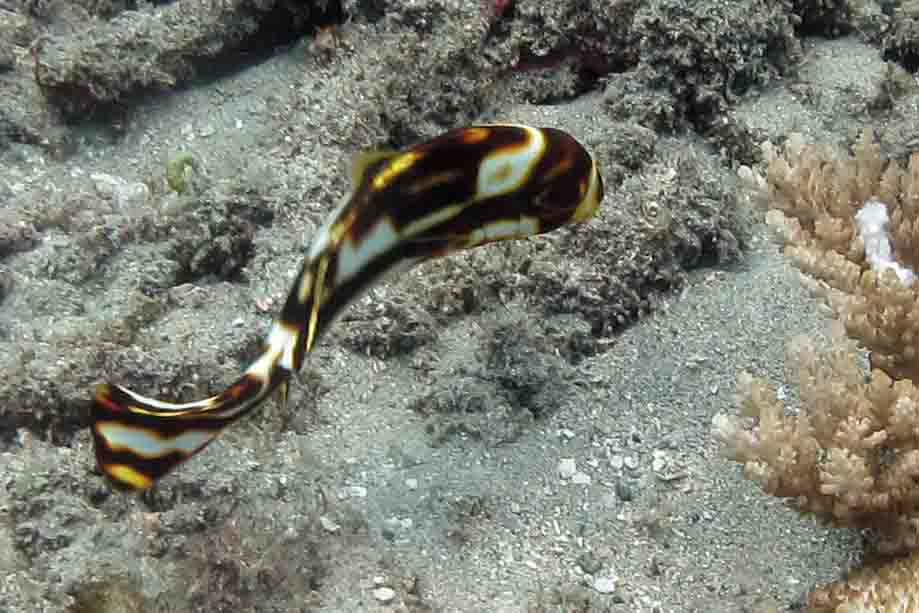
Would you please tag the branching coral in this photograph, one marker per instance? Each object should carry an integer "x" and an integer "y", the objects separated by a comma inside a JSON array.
[
  {"x": 815, "y": 196},
  {"x": 848, "y": 452},
  {"x": 850, "y": 455},
  {"x": 874, "y": 589}
]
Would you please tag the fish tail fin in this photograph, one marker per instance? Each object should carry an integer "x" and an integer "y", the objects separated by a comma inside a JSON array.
[{"x": 139, "y": 439}]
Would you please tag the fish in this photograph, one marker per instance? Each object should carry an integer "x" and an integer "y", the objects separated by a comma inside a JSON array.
[{"x": 467, "y": 187}]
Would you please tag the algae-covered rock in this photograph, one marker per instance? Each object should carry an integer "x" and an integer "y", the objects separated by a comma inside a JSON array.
[{"x": 104, "y": 61}]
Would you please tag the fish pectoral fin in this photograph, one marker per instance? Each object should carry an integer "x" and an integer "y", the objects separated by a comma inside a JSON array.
[
  {"x": 283, "y": 395},
  {"x": 364, "y": 162}
]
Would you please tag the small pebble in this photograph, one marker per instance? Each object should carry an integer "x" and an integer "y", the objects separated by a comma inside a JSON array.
[
  {"x": 625, "y": 491},
  {"x": 660, "y": 461},
  {"x": 391, "y": 528},
  {"x": 328, "y": 525},
  {"x": 125, "y": 195},
  {"x": 384, "y": 594},
  {"x": 605, "y": 585},
  {"x": 567, "y": 468},
  {"x": 353, "y": 491},
  {"x": 580, "y": 478}
]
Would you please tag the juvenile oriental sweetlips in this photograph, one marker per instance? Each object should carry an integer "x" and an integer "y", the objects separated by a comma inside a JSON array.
[{"x": 462, "y": 189}]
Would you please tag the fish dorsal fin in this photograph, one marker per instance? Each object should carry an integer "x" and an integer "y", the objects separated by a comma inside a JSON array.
[{"x": 367, "y": 161}]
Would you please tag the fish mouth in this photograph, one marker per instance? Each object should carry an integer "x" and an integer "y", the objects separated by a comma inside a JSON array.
[{"x": 588, "y": 206}]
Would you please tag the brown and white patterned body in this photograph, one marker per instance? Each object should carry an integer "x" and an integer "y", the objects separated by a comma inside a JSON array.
[{"x": 465, "y": 188}]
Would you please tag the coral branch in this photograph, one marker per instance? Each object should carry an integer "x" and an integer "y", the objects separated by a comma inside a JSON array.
[
  {"x": 873, "y": 589},
  {"x": 848, "y": 451}
]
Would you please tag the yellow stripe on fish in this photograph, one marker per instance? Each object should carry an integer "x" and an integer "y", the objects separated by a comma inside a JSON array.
[{"x": 464, "y": 188}]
